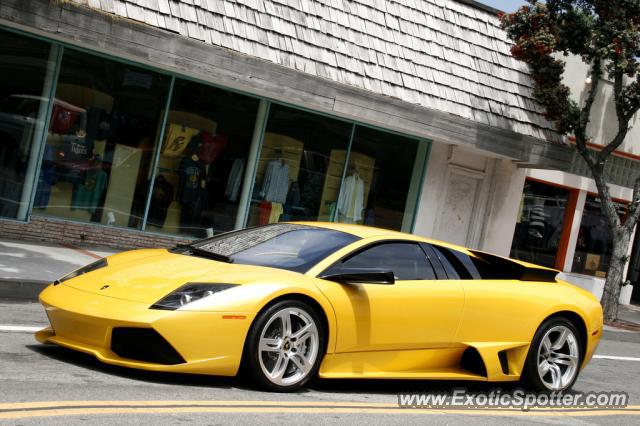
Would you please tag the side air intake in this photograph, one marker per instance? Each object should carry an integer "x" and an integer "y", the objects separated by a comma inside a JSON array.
[{"x": 472, "y": 362}]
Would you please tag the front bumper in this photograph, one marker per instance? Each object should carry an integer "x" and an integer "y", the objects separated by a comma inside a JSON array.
[{"x": 208, "y": 342}]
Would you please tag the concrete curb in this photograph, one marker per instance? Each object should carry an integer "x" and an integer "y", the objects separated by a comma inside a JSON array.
[{"x": 15, "y": 288}]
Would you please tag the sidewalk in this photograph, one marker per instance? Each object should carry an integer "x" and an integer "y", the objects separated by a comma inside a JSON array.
[
  {"x": 26, "y": 268},
  {"x": 630, "y": 314}
]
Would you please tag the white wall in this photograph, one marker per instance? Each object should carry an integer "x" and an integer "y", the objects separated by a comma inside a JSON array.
[
  {"x": 503, "y": 209},
  {"x": 604, "y": 124},
  {"x": 470, "y": 199}
]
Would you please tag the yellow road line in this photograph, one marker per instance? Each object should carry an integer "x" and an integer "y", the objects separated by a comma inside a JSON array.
[
  {"x": 76, "y": 408},
  {"x": 200, "y": 402}
]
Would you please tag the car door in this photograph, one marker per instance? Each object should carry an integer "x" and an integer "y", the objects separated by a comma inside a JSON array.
[{"x": 417, "y": 312}]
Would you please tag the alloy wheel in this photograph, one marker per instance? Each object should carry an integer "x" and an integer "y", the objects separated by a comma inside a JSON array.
[
  {"x": 288, "y": 346},
  {"x": 558, "y": 357}
]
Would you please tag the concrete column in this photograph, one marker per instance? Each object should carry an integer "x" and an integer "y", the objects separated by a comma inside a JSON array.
[
  {"x": 39, "y": 135},
  {"x": 252, "y": 164},
  {"x": 433, "y": 188},
  {"x": 504, "y": 205},
  {"x": 575, "y": 229}
]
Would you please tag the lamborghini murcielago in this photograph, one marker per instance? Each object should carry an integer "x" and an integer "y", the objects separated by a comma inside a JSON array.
[{"x": 287, "y": 302}]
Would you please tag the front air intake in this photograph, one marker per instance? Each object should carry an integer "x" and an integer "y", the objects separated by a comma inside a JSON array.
[{"x": 143, "y": 344}]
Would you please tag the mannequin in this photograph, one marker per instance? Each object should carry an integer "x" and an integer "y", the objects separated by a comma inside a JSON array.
[{"x": 192, "y": 181}]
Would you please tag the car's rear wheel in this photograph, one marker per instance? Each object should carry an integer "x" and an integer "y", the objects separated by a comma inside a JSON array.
[
  {"x": 285, "y": 346},
  {"x": 554, "y": 358}
]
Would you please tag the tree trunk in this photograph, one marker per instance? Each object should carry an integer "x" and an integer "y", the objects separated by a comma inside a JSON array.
[{"x": 614, "y": 281}]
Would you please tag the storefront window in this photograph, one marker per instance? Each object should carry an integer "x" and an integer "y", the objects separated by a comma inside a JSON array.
[
  {"x": 383, "y": 178},
  {"x": 100, "y": 154},
  {"x": 202, "y": 161},
  {"x": 539, "y": 224},
  {"x": 595, "y": 241},
  {"x": 26, "y": 68},
  {"x": 300, "y": 168},
  {"x": 99, "y": 146}
]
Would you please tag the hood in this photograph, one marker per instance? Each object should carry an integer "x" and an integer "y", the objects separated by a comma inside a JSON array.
[{"x": 146, "y": 276}]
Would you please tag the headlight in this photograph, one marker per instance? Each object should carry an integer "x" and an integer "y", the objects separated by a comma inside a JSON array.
[
  {"x": 90, "y": 267},
  {"x": 189, "y": 293}
]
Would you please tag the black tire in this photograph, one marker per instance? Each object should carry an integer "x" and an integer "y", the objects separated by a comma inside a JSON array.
[
  {"x": 252, "y": 368},
  {"x": 531, "y": 377}
]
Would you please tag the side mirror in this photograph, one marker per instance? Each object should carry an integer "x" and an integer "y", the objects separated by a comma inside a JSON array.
[{"x": 362, "y": 276}]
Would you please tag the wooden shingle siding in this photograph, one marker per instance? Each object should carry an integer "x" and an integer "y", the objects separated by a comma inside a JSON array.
[
  {"x": 301, "y": 82},
  {"x": 441, "y": 54}
]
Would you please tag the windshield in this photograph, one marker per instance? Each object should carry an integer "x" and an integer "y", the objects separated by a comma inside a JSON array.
[{"x": 286, "y": 246}]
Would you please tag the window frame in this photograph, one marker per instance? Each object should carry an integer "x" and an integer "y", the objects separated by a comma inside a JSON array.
[
  {"x": 370, "y": 245},
  {"x": 471, "y": 273}
]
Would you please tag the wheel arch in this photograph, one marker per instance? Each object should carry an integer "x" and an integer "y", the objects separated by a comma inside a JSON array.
[
  {"x": 327, "y": 324},
  {"x": 577, "y": 320}
]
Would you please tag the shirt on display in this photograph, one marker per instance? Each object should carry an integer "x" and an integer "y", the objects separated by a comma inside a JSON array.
[
  {"x": 88, "y": 194},
  {"x": 211, "y": 147},
  {"x": 191, "y": 174},
  {"x": 76, "y": 148},
  {"x": 235, "y": 180},
  {"x": 177, "y": 139},
  {"x": 351, "y": 200},
  {"x": 275, "y": 185}
]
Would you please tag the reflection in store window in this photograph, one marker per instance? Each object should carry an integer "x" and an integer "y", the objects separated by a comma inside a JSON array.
[
  {"x": 383, "y": 179},
  {"x": 23, "y": 69},
  {"x": 595, "y": 241},
  {"x": 202, "y": 161},
  {"x": 539, "y": 226},
  {"x": 300, "y": 167},
  {"x": 103, "y": 128}
]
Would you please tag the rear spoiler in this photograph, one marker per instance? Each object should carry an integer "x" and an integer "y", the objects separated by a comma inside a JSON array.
[{"x": 512, "y": 269}]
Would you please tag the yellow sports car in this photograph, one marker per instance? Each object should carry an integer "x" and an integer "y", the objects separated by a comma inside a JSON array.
[{"x": 286, "y": 302}]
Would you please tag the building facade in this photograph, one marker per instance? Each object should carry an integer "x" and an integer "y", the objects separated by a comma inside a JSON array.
[
  {"x": 560, "y": 223},
  {"x": 138, "y": 123}
]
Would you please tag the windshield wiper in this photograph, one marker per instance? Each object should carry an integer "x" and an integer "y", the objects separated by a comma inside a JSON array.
[{"x": 204, "y": 253}]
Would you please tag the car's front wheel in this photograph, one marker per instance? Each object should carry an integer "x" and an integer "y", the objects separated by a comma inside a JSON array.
[
  {"x": 554, "y": 358},
  {"x": 285, "y": 346}
]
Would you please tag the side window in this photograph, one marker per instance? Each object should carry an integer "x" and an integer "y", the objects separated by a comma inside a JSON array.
[
  {"x": 433, "y": 257},
  {"x": 406, "y": 260},
  {"x": 461, "y": 264},
  {"x": 452, "y": 272}
]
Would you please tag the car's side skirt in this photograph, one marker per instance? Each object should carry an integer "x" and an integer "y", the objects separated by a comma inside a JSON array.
[{"x": 486, "y": 361}]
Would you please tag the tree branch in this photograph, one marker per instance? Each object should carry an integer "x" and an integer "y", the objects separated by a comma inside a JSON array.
[
  {"x": 623, "y": 122},
  {"x": 634, "y": 210},
  {"x": 585, "y": 114},
  {"x": 606, "y": 202}
]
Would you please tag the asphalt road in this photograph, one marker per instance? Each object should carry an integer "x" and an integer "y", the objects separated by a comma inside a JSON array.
[{"x": 79, "y": 389}]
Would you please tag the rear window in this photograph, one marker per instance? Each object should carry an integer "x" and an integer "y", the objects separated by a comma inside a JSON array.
[
  {"x": 485, "y": 266},
  {"x": 285, "y": 246}
]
